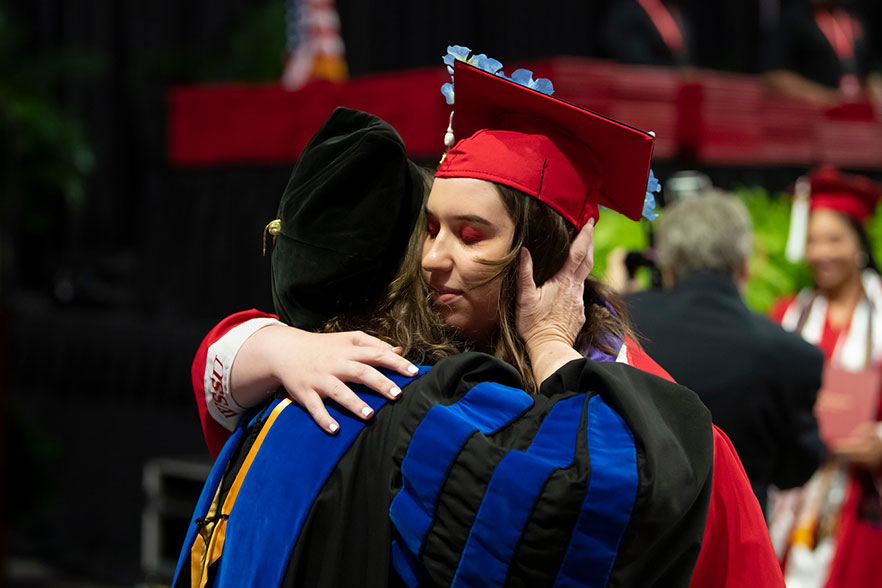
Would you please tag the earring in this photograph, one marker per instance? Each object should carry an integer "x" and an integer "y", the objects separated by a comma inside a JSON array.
[{"x": 449, "y": 138}]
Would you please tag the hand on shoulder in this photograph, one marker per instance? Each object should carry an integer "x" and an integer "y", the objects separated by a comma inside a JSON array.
[{"x": 315, "y": 367}]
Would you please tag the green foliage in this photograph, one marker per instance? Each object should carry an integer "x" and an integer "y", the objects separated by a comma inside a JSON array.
[
  {"x": 257, "y": 49},
  {"x": 615, "y": 230},
  {"x": 874, "y": 230},
  {"x": 772, "y": 275},
  {"x": 46, "y": 155},
  {"x": 255, "y": 53}
]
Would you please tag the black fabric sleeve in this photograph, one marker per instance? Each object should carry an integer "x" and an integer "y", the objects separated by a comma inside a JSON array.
[
  {"x": 672, "y": 429},
  {"x": 802, "y": 450}
]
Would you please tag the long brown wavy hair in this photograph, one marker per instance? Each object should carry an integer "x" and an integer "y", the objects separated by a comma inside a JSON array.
[{"x": 406, "y": 315}]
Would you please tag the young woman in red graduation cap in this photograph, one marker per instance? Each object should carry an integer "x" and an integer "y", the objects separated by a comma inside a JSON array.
[
  {"x": 834, "y": 540},
  {"x": 646, "y": 491}
]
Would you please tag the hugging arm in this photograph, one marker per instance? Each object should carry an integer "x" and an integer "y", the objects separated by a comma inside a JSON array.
[{"x": 249, "y": 355}]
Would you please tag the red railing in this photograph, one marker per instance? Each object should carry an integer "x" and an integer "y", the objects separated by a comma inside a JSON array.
[{"x": 705, "y": 117}]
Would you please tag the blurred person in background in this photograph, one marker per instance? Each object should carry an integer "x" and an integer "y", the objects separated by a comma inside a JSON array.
[
  {"x": 833, "y": 527},
  {"x": 648, "y": 32},
  {"x": 819, "y": 52},
  {"x": 758, "y": 381}
]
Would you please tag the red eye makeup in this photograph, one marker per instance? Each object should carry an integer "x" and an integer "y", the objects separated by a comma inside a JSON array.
[
  {"x": 471, "y": 234},
  {"x": 432, "y": 227}
]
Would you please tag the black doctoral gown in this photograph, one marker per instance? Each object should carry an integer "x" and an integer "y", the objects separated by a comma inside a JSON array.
[{"x": 601, "y": 479}]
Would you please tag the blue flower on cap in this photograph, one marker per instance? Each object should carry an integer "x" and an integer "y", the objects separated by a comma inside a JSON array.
[
  {"x": 523, "y": 77},
  {"x": 456, "y": 52},
  {"x": 447, "y": 90},
  {"x": 652, "y": 186},
  {"x": 481, "y": 61}
]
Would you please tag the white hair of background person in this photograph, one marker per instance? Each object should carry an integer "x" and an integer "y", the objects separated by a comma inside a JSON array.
[{"x": 710, "y": 231}]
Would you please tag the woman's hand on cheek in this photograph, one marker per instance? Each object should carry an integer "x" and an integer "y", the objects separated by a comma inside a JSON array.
[
  {"x": 556, "y": 310},
  {"x": 550, "y": 317}
]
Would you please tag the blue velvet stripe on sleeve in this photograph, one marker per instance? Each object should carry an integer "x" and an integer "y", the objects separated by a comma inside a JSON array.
[
  {"x": 608, "y": 504},
  {"x": 512, "y": 493},
  {"x": 293, "y": 481},
  {"x": 437, "y": 440},
  {"x": 409, "y": 568},
  {"x": 206, "y": 498},
  {"x": 277, "y": 494}
]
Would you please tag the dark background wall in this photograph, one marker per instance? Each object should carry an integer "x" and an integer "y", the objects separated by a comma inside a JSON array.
[{"x": 103, "y": 304}]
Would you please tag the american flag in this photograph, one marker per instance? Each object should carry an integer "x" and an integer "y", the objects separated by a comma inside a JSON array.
[{"x": 315, "y": 46}]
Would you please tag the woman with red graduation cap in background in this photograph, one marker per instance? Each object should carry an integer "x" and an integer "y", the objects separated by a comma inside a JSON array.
[
  {"x": 694, "y": 521},
  {"x": 829, "y": 533}
]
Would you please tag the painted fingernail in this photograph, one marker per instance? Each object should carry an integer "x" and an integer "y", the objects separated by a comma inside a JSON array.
[
  {"x": 394, "y": 392},
  {"x": 366, "y": 411},
  {"x": 333, "y": 427},
  {"x": 412, "y": 369},
  {"x": 397, "y": 350}
]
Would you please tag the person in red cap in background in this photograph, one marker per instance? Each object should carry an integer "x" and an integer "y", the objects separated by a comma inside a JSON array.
[
  {"x": 829, "y": 533},
  {"x": 502, "y": 254}
]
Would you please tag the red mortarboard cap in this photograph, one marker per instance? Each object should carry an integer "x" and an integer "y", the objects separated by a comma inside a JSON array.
[
  {"x": 570, "y": 158},
  {"x": 855, "y": 196}
]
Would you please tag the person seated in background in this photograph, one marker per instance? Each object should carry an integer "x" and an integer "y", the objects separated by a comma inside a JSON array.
[
  {"x": 819, "y": 52},
  {"x": 648, "y": 32},
  {"x": 759, "y": 381}
]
